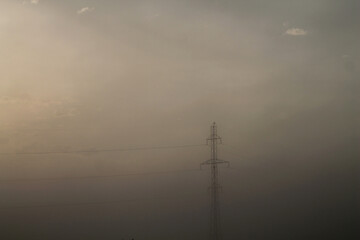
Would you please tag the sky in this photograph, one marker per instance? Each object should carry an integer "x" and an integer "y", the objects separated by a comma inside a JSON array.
[{"x": 280, "y": 78}]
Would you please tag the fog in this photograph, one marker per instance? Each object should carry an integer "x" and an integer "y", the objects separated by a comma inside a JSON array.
[{"x": 280, "y": 78}]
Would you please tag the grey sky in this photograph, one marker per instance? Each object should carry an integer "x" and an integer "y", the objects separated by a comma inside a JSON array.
[{"x": 281, "y": 79}]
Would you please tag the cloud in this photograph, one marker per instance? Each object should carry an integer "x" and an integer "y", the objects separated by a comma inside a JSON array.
[
  {"x": 286, "y": 24},
  {"x": 85, "y": 10},
  {"x": 296, "y": 32},
  {"x": 36, "y": 108},
  {"x": 34, "y": 2}
]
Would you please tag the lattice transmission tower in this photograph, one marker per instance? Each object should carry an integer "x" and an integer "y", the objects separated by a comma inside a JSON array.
[{"x": 215, "y": 224}]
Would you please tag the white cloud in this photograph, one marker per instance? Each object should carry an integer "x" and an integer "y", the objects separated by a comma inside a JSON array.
[
  {"x": 296, "y": 32},
  {"x": 34, "y": 2},
  {"x": 85, "y": 10},
  {"x": 286, "y": 24}
]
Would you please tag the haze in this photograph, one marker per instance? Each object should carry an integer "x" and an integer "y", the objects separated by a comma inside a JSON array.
[{"x": 280, "y": 78}]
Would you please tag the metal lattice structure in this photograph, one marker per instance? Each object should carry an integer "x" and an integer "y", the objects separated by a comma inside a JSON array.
[{"x": 215, "y": 224}]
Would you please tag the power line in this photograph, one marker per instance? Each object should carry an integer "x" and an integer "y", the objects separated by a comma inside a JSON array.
[
  {"x": 235, "y": 169},
  {"x": 236, "y": 154},
  {"x": 96, "y": 176},
  {"x": 105, "y": 150},
  {"x": 79, "y": 204}
]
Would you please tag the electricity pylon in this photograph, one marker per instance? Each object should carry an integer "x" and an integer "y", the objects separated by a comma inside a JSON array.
[{"x": 215, "y": 224}]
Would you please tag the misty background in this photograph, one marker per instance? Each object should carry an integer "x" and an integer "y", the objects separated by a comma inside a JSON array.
[{"x": 280, "y": 78}]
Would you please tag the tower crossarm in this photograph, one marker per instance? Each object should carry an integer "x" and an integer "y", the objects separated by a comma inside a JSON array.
[{"x": 215, "y": 224}]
